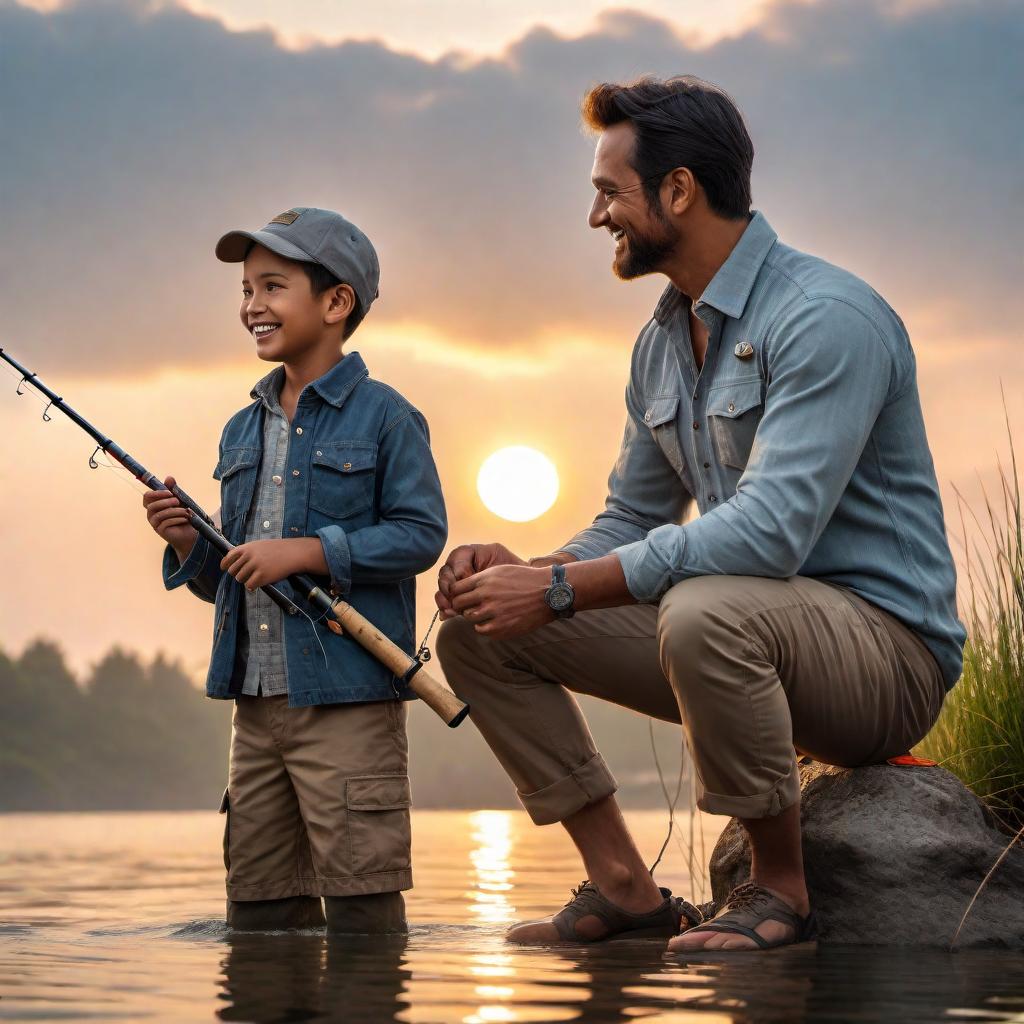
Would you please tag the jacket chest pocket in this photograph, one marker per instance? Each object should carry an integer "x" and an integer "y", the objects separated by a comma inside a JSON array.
[
  {"x": 341, "y": 477},
  {"x": 236, "y": 472},
  {"x": 734, "y": 411},
  {"x": 660, "y": 417}
]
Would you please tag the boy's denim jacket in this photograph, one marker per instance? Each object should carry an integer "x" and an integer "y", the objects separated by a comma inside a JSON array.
[{"x": 361, "y": 477}]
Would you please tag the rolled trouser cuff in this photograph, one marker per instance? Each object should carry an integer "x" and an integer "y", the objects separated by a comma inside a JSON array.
[
  {"x": 783, "y": 794},
  {"x": 590, "y": 782}
]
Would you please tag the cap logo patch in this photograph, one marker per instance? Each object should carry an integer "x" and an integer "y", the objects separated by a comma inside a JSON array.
[{"x": 290, "y": 217}]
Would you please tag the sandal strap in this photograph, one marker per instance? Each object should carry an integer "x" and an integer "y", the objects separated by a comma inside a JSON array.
[
  {"x": 748, "y": 906},
  {"x": 588, "y": 901}
]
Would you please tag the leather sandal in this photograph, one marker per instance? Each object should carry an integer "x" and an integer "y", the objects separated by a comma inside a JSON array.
[
  {"x": 591, "y": 917},
  {"x": 748, "y": 906}
]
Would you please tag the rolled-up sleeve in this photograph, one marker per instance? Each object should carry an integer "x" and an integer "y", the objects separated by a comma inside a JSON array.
[
  {"x": 200, "y": 572},
  {"x": 413, "y": 526},
  {"x": 644, "y": 490},
  {"x": 829, "y": 374}
]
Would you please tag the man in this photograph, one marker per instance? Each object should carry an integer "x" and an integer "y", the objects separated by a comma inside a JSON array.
[{"x": 810, "y": 607}]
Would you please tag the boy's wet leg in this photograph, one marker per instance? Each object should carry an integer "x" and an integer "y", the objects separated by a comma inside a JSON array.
[
  {"x": 380, "y": 913},
  {"x": 275, "y": 915}
]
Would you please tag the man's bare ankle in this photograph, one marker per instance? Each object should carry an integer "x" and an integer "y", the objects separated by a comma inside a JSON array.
[
  {"x": 630, "y": 890},
  {"x": 792, "y": 890}
]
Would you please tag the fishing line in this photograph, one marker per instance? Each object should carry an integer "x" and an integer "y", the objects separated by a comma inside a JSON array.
[{"x": 664, "y": 789}]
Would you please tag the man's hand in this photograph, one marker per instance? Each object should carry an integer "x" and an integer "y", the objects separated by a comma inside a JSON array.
[
  {"x": 170, "y": 519},
  {"x": 269, "y": 561},
  {"x": 465, "y": 561},
  {"x": 503, "y": 601}
]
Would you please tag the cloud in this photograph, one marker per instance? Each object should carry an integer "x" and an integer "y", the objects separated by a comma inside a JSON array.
[{"x": 136, "y": 133}]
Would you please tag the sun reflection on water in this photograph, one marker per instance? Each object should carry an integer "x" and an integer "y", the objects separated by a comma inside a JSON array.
[{"x": 492, "y": 873}]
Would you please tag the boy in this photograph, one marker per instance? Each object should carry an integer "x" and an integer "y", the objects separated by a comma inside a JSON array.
[{"x": 327, "y": 472}]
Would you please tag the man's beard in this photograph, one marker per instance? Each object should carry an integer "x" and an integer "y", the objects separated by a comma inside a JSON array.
[{"x": 645, "y": 253}]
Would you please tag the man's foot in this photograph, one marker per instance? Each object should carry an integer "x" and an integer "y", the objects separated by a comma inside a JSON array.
[
  {"x": 590, "y": 917},
  {"x": 752, "y": 918}
]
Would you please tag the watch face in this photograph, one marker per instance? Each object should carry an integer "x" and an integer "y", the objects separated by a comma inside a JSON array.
[{"x": 559, "y": 597}]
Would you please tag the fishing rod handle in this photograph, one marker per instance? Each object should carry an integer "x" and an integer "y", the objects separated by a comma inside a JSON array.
[{"x": 438, "y": 697}]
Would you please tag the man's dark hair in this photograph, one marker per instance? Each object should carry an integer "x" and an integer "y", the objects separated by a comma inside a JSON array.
[
  {"x": 322, "y": 280},
  {"x": 681, "y": 122}
]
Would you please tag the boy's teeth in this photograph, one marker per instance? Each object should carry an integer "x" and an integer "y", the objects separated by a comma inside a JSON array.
[{"x": 264, "y": 328}]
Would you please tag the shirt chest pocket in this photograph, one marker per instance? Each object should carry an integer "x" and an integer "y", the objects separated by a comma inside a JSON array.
[
  {"x": 734, "y": 411},
  {"x": 342, "y": 478},
  {"x": 236, "y": 472},
  {"x": 660, "y": 417}
]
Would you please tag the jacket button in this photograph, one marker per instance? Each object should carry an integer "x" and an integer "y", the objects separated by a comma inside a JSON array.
[
  {"x": 294, "y": 529},
  {"x": 732, "y": 407},
  {"x": 264, "y": 627},
  {"x": 295, "y": 472},
  {"x": 712, "y": 498},
  {"x": 707, "y": 465},
  {"x": 647, "y": 416},
  {"x": 266, "y": 524},
  {"x": 348, "y": 465},
  {"x": 298, "y": 430},
  {"x": 696, "y": 425},
  {"x": 277, "y": 479}
]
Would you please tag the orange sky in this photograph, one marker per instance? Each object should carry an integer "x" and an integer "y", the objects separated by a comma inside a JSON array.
[{"x": 494, "y": 292}]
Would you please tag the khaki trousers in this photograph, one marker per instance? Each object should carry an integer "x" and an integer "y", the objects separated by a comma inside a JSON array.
[
  {"x": 753, "y": 668},
  {"x": 317, "y": 801}
]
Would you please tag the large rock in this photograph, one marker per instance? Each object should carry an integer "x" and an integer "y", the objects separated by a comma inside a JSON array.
[{"x": 893, "y": 855}]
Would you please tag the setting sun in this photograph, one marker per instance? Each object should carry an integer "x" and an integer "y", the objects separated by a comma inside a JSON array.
[{"x": 518, "y": 483}]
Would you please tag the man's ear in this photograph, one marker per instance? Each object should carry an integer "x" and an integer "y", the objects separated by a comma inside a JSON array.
[
  {"x": 684, "y": 190},
  {"x": 342, "y": 302}
]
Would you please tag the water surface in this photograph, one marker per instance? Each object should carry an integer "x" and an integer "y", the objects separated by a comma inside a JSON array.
[{"x": 119, "y": 917}]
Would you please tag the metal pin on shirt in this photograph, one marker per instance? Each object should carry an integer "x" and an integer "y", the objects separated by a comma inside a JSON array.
[{"x": 743, "y": 350}]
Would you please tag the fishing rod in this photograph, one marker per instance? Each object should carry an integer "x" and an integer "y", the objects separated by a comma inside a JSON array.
[{"x": 339, "y": 616}]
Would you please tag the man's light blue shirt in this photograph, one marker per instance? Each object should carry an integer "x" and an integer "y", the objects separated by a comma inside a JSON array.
[{"x": 801, "y": 440}]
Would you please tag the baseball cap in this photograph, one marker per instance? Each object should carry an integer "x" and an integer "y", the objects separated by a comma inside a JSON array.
[{"x": 314, "y": 236}]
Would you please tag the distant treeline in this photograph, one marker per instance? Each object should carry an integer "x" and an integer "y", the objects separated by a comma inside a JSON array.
[
  {"x": 134, "y": 736},
  {"x": 131, "y": 736}
]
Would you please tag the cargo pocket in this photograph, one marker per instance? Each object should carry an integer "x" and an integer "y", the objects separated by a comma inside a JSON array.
[
  {"x": 379, "y": 835},
  {"x": 225, "y": 809},
  {"x": 734, "y": 411}
]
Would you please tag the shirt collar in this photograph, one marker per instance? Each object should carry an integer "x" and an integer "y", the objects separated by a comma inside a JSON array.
[
  {"x": 334, "y": 386},
  {"x": 732, "y": 284}
]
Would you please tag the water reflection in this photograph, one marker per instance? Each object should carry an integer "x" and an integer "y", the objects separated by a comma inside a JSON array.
[
  {"x": 304, "y": 977},
  {"x": 492, "y": 871},
  {"x": 90, "y": 929}
]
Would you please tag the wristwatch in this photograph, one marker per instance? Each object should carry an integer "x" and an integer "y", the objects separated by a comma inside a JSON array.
[{"x": 560, "y": 596}]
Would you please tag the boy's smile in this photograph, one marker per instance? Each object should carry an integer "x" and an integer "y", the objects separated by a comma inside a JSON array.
[{"x": 278, "y": 307}]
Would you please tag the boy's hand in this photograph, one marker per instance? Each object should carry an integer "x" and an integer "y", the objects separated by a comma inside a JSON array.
[
  {"x": 463, "y": 562},
  {"x": 269, "y": 561},
  {"x": 170, "y": 519}
]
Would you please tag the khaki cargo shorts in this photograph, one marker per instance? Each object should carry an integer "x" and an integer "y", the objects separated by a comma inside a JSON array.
[{"x": 318, "y": 799}]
